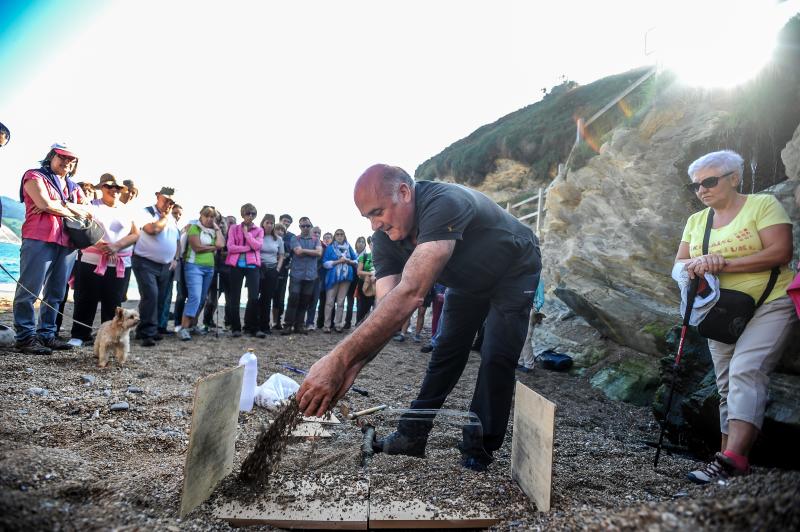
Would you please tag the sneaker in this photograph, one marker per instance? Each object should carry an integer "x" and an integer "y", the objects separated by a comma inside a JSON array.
[
  {"x": 32, "y": 346},
  {"x": 399, "y": 337},
  {"x": 286, "y": 331},
  {"x": 347, "y": 326},
  {"x": 417, "y": 338},
  {"x": 148, "y": 341},
  {"x": 399, "y": 443},
  {"x": 426, "y": 348},
  {"x": 524, "y": 369},
  {"x": 177, "y": 329},
  {"x": 157, "y": 337},
  {"x": 721, "y": 468},
  {"x": 278, "y": 327},
  {"x": 300, "y": 330},
  {"x": 326, "y": 330},
  {"x": 184, "y": 335},
  {"x": 338, "y": 329},
  {"x": 75, "y": 342},
  {"x": 261, "y": 334},
  {"x": 311, "y": 327},
  {"x": 236, "y": 334},
  {"x": 55, "y": 343}
]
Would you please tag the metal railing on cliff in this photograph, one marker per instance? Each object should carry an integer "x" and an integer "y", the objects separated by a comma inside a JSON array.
[{"x": 581, "y": 126}]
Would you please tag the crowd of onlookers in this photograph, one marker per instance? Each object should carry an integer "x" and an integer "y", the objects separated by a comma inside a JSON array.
[
  {"x": 216, "y": 255},
  {"x": 330, "y": 282}
]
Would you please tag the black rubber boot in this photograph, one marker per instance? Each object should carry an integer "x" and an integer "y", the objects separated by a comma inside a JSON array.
[{"x": 399, "y": 443}]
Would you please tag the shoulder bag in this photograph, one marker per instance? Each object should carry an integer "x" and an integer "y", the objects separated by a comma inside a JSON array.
[{"x": 727, "y": 319}]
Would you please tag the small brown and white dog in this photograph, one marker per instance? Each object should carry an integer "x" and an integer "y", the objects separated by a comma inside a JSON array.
[{"x": 115, "y": 334}]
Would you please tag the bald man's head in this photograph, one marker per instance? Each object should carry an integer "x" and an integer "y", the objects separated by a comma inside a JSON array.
[{"x": 385, "y": 195}]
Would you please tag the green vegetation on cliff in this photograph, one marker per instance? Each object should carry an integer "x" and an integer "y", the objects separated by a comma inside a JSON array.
[{"x": 540, "y": 135}]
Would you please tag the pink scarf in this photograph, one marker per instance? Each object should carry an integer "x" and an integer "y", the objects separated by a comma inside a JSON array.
[{"x": 102, "y": 265}]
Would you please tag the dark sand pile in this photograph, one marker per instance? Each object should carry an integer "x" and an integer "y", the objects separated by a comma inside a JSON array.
[{"x": 69, "y": 462}]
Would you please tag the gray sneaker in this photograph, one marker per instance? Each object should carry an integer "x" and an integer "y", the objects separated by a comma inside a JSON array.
[{"x": 184, "y": 335}]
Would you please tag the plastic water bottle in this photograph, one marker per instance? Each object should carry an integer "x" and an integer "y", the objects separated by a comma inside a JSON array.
[{"x": 250, "y": 363}]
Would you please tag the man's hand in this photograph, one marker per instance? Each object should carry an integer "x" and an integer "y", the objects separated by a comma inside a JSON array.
[{"x": 327, "y": 382}]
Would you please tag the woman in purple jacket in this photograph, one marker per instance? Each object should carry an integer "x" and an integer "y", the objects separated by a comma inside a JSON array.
[{"x": 244, "y": 258}]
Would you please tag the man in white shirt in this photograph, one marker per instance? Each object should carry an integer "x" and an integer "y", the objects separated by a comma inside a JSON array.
[{"x": 154, "y": 257}]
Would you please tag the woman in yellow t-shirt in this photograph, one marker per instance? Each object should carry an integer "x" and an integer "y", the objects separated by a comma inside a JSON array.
[{"x": 750, "y": 235}]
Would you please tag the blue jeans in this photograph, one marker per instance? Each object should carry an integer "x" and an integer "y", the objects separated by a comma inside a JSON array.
[
  {"x": 43, "y": 267},
  {"x": 198, "y": 279}
]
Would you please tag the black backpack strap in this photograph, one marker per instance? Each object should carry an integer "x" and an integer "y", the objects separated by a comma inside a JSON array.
[
  {"x": 773, "y": 278},
  {"x": 707, "y": 235}
]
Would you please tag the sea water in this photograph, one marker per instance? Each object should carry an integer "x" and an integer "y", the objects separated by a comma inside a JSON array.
[{"x": 9, "y": 258}]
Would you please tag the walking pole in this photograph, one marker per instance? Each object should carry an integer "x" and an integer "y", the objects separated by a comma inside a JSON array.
[
  {"x": 216, "y": 319},
  {"x": 690, "y": 296}
]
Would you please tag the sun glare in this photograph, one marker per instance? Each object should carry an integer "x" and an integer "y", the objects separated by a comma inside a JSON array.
[{"x": 719, "y": 44}]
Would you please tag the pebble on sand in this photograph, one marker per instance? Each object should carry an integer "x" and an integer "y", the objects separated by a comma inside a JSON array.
[{"x": 121, "y": 406}]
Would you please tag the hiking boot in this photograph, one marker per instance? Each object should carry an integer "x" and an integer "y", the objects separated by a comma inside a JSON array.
[
  {"x": 32, "y": 346},
  {"x": 473, "y": 455},
  {"x": 721, "y": 468},
  {"x": 148, "y": 341},
  {"x": 55, "y": 343},
  {"x": 184, "y": 335},
  {"x": 399, "y": 443}
]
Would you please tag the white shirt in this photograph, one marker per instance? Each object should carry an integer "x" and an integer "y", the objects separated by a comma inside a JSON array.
[
  {"x": 160, "y": 247},
  {"x": 116, "y": 221}
]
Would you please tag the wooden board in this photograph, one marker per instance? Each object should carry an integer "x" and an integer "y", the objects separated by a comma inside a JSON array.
[
  {"x": 532, "y": 445},
  {"x": 310, "y": 430},
  {"x": 417, "y": 514},
  {"x": 333, "y": 420},
  {"x": 215, "y": 414},
  {"x": 295, "y": 503}
]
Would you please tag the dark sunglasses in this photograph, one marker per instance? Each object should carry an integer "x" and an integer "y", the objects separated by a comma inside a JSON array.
[
  {"x": 305, "y": 226},
  {"x": 66, "y": 158},
  {"x": 709, "y": 182},
  {"x": 113, "y": 187},
  {"x": 250, "y": 213}
]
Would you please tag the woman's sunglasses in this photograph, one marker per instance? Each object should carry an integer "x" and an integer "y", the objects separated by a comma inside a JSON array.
[{"x": 709, "y": 182}]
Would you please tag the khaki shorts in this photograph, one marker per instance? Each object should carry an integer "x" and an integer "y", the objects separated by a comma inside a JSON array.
[{"x": 743, "y": 368}]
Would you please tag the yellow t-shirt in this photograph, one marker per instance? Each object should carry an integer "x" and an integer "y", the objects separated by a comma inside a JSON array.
[{"x": 739, "y": 239}]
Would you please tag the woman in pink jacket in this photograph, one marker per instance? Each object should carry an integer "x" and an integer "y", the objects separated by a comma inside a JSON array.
[{"x": 244, "y": 258}]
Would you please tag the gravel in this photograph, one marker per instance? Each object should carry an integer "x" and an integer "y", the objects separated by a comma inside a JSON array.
[{"x": 75, "y": 465}]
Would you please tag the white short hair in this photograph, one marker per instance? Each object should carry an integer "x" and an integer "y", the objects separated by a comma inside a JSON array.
[{"x": 725, "y": 161}]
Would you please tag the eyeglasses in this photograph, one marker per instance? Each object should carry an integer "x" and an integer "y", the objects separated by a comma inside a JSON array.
[
  {"x": 250, "y": 213},
  {"x": 113, "y": 188},
  {"x": 339, "y": 234},
  {"x": 709, "y": 182},
  {"x": 305, "y": 226}
]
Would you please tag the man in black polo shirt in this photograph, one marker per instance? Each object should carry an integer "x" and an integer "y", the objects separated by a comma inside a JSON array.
[{"x": 430, "y": 232}]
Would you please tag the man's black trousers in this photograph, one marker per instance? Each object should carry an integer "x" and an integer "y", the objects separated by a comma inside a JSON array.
[{"x": 506, "y": 311}]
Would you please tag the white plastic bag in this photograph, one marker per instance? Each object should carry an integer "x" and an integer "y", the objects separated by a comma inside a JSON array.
[{"x": 277, "y": 389}]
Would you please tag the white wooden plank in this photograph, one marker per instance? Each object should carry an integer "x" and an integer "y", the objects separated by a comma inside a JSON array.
[
  {"x": 394, "y": 514},
  {"x": 532, "y": 445},
  {"x": 329, "y": 503}
]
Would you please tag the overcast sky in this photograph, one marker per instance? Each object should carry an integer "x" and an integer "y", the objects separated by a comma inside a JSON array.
[{"x": 284, "y": 104}]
